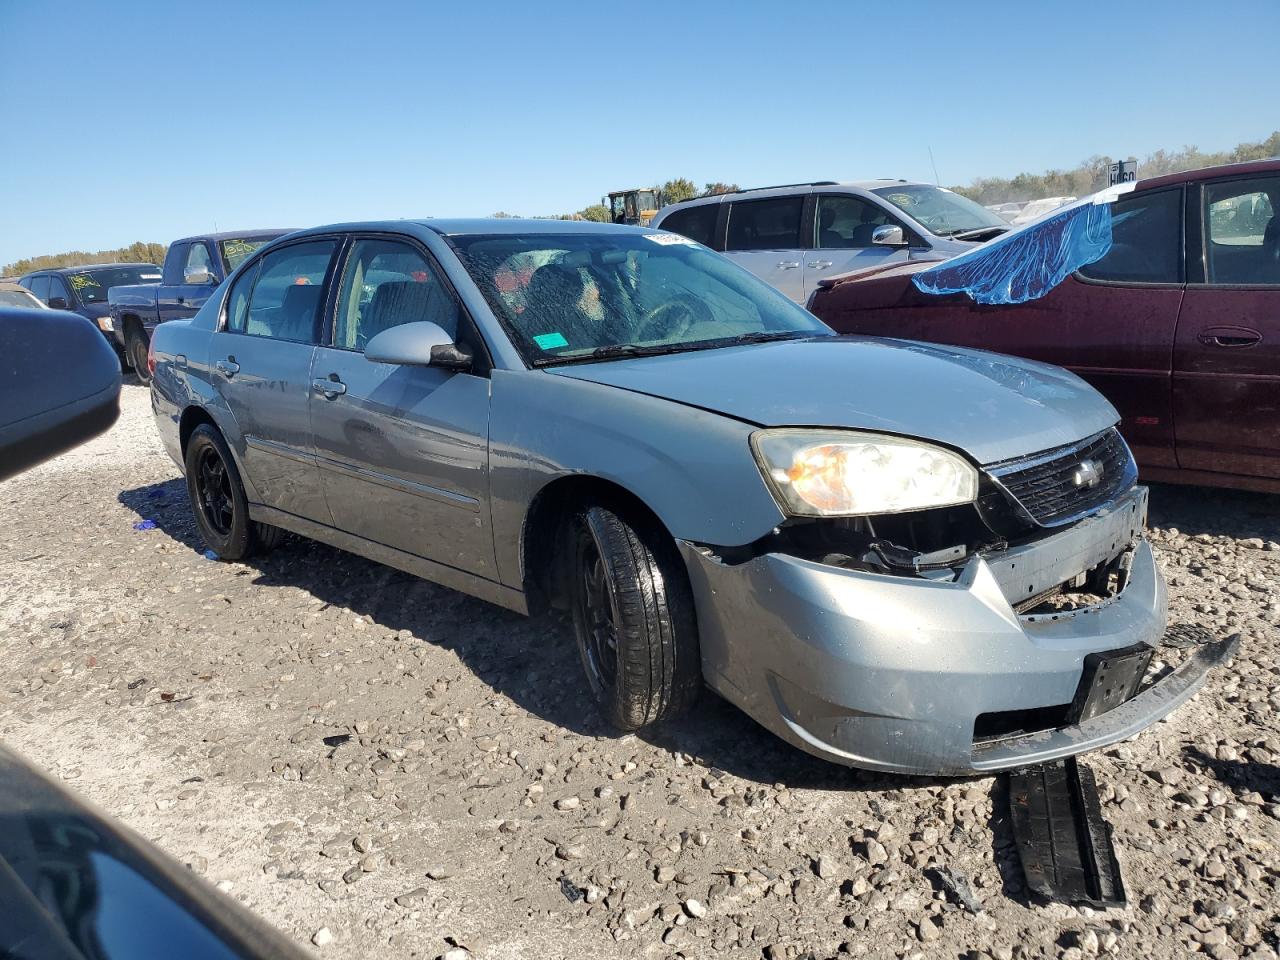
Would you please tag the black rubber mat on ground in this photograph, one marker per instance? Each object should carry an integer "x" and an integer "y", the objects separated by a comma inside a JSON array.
[{"x": 1063, "y": 841}]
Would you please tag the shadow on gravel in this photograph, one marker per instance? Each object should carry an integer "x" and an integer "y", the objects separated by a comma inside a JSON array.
[
  {"x": 1232, "y": 513},
  {"x": 534, "y": 662},
  {"x": 1239, "y": 774}
]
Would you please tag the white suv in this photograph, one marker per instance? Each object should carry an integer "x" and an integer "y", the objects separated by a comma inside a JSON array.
[{"x": 795, "y": 235}]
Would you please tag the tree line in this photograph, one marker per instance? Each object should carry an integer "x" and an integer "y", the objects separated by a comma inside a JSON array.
[{"x": 138, "y": 252}]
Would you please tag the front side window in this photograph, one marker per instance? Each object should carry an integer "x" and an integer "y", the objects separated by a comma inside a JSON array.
[
  {"x": 848, "y": 222},
  {"x": 1242, "y": 231},
  {"x": 387, "y": 283},
  {"x": 566, "y": 298},
  {"x": 697, "y": 223},
  {"x": 286, "y": 299},
  {"x": 945, "y": 212},
  {"x": 58, "y": 288},
  {"x": 772, "y": 224},
  {"x": 1146, "y": 240}
]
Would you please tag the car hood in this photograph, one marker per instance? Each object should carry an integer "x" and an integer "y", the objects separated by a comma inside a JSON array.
[{"x": 990, "y": 406}]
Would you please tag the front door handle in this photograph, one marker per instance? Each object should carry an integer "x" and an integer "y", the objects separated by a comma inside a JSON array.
[
  {"x": 789, "y": 265},
  {"x": 228, "y": 367},
  {"x": 330, "y": 386},
  {"x": 818, "y": 264},
  {"x": 1230, "y": 337}
]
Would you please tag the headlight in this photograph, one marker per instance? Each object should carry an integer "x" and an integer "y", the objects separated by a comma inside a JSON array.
[
  {"x": 104, "y": 323},
  {"x": 820, "y": 473}
]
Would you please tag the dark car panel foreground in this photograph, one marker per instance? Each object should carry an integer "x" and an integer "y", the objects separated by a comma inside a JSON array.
[
  {"x": 860, "y": 542},
  {"x": 1178, "y": 325}
]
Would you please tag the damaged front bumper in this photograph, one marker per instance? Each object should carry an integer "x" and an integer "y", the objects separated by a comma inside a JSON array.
[{"x": 895, "y": 673}]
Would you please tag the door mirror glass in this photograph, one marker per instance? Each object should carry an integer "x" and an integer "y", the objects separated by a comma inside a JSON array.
[
  {"x": 888, "y": 236},
  {"x": 57, "y": 303},
  {"x": 198, "y": 276},
  {"x": 418, "y": 344}
]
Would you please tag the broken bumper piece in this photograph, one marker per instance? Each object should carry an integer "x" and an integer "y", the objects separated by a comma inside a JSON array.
[{"x": 893, "y": 673}]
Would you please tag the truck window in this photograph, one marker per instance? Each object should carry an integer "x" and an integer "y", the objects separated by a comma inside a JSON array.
[
  {"x": 197, "y": 258},
  {"x": 772, "y": 224},
  {"x": 174, "y": 261}
]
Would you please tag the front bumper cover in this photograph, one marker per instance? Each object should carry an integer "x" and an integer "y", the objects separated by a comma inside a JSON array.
[{"x": 890, "y": 673}]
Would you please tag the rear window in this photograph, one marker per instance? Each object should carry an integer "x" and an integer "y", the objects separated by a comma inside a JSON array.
[{"x": 697, "y": 223}]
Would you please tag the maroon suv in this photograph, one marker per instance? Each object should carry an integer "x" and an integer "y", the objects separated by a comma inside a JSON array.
[{"x": 1178, "y": 325}]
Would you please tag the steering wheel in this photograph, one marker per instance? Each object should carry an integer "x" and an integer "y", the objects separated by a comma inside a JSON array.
[{"x": 672, "y": 319}]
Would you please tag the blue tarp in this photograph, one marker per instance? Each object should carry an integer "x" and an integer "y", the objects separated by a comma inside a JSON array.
[{"x": 1027, "y": 263}]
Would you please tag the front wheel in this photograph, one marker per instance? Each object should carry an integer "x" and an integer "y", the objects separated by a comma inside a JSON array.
[
  {"x": 136, "y": 345},
  {"x": 219, "y": 502},
  {"x": 633, "y": 618}
]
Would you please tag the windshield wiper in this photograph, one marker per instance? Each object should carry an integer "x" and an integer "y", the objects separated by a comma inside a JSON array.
[{"x": 614, "y": 351}]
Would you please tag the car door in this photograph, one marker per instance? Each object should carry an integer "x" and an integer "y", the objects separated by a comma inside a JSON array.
[
  {"x": 260, "y": 365},
  {"x": 1226, "y": 381},
  {"x": 843, "y": 228},
  {"x": 176, "y": 298},
  {"x": 1112, "y": 322},
  {"x": 403, "y": 450},
  {"x": 765, "y": 237}
]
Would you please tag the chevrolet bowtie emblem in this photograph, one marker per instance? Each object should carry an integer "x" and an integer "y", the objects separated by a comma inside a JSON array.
[{"x": 1088, "y": 474}]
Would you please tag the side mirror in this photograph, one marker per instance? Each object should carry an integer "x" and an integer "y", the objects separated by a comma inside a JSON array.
[
  {"x": 888, "y": 235},
  {"x": 57, "y": 303},
  {"x": 418, "y": 344},
  {"x": 66, "y": 390},
  {"x": 197, "y": 276}
]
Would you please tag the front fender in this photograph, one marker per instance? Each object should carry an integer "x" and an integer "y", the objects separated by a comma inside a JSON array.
[{"x": 693, "y": 468}]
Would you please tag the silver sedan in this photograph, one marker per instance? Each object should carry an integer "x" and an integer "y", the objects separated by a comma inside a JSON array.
[{"x": 893, "y": 555}]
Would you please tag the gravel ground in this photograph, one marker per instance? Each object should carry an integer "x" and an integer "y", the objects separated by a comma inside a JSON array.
[{"x": 386, "y": 768}]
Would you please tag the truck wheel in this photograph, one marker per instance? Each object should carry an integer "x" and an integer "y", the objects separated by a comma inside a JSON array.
[
  {"x": 218, "y": 499},
  {"x": 633, "y": 617},
  {"x": 136, "y": 345}
]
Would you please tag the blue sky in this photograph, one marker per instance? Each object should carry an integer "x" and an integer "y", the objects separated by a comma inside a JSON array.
[{"x": 149, "y": 121}]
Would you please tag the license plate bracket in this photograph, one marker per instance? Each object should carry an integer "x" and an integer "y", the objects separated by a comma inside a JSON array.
[{"x": 1109, "y": 679}]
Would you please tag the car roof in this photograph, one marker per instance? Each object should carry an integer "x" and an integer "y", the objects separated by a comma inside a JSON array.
[
  {"x": 269, "y": 233},
  {"x": 1247, "y": 168},
  {"x": 90, "y": 266},
  {"x": 451, "y": 227}
]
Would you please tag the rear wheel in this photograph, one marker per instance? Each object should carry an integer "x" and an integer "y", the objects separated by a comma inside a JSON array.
[
  {"x": 218, "y": 499},
  {"x": 136, "y": 345},
  {"x": 633, "y": 618}
]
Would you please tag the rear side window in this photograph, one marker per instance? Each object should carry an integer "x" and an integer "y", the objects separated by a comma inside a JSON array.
[
  {"x": 772, "y": 224},
  {"x": 1242, "y": 231},
  {"x": 286, "y": 299},
  {"x": 39, "y": 286},
  {"x": 1146, "y": 240},
  {"x": 697, "y": 223},
  {"x": 238, "y": 300}
]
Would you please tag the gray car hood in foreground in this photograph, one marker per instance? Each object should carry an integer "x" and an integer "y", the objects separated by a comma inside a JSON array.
[{"x": 990, "y": 406}]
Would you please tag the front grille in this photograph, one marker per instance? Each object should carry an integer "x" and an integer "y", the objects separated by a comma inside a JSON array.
[{"x": 1060, "y": 485}]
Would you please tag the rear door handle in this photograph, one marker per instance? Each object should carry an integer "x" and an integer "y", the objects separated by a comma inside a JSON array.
[
  {"x": 818, "y": 264},
  {"x": 331, "y": 387},
  {"x": 1229, "y": 337},
  {"x": 789, "y": 265},
  {"x": 228, "y": 367}
]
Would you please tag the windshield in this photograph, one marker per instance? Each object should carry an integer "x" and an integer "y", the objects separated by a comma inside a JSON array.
[
  {"x": 569, "y": 297},
  {"x": 239, "y": 249},
  {"x": 91, "y": 286},
  {"x": 18, "y": 298},
  {"x": 942, "y": 211}
]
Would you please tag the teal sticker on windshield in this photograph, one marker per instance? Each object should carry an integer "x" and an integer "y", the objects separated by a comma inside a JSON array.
[{"x": 549, "y": 341}]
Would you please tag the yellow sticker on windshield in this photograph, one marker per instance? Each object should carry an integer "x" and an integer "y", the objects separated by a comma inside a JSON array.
[{"x": 81, "y": 280}]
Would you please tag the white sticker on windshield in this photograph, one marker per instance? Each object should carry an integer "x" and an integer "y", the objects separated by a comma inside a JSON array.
[
  {"x": 669, "y": 238},
  {"x": 149, "y": 276}
]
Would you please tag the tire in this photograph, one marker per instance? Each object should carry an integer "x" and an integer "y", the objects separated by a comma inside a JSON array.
[
  {"x": 218, "y": 500},
  {"x": 633, "y": 618},
  {"x": 136, "y": 345}
]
